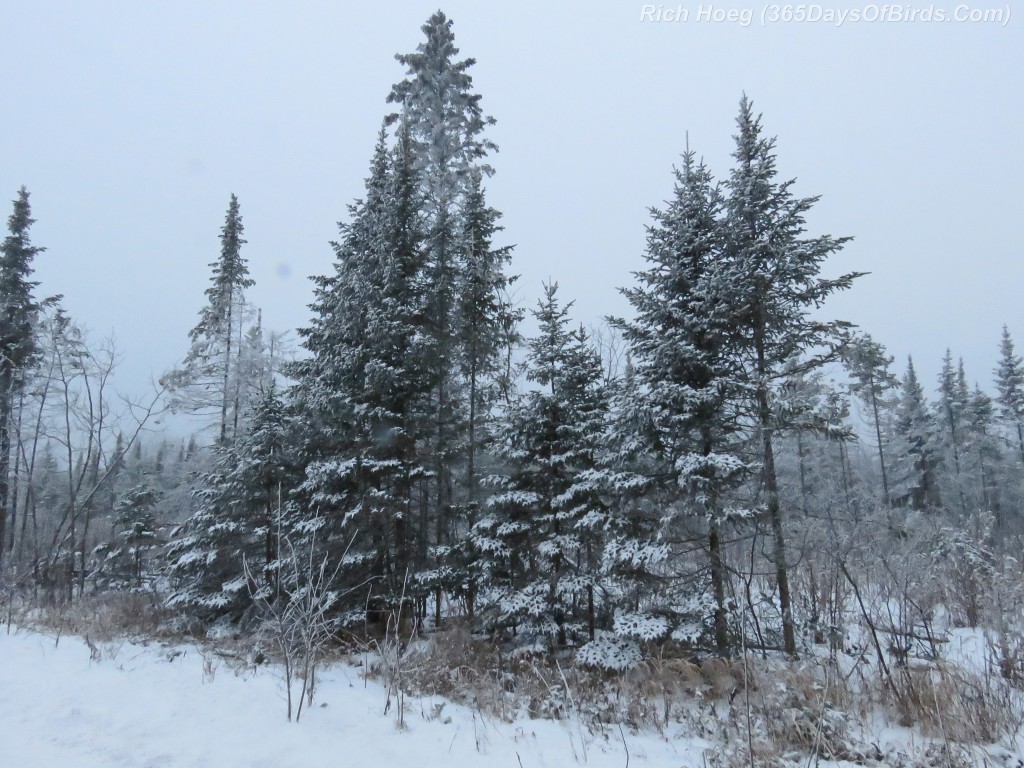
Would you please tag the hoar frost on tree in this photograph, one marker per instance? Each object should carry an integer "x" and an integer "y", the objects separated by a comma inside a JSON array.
[
  {"x": 917, "y": 461},
  {"x": 469, "y": 322},
  {"x": 407, "y": 344},
  {"x": 873, "y": 383},
  {"x": 229, "y": 551},
  {"x": 1010, "y": 385},
  {"x": 216, "y": 376},
  {"x": 18, "y": 312},
  {"x": 538, "y": 544},
  {"x": 679, "y": 343},
  {"x": 771, "y": 286},
  {"x": 362, "y": 391}
]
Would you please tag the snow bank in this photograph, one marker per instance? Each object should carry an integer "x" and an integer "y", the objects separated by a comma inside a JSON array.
[{"x": 150, "y": 706}]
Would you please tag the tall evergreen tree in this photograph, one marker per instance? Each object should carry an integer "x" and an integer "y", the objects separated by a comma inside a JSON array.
[
  {"x": 18, "y": 312},
  {"x": 209, "y": 380},
  {"x": 236, "y": 532},
  {"x": 950, "y": 414},
  {"x": 983, "y": 446},
  {"x": 540, "y": 547},
  {"x": 446, "y": 125},
  {"x": 634, "y": 558},
  {"x": 1010, "y": 385},
  {"x": 485, "y": 322},
  {"x": 917, "y": 461},
  {"x": 679, "y": 341},
  {"x": 139, "y": 534},
  {"x": 869, "y": 364},
  {"x": 773, "y": 283},
  {"x": 363, "y": 391},
  {"x": 445, "y": 118},
  {"x": 815, "y": 414}
]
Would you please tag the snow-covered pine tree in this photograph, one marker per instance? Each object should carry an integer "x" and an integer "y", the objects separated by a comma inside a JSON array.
[
  {"x": 465, "y": 316},
  {"x": 444, "y": 116},
  {"x": 396, "y": 390},
  {"x": 985, "y": 458},
  {"x": 485, "y": 319},
  {"x": 950, "y": 414},
  {"x": 626, "y": 525},
  {"x": 1010, "y": 386},
  {"x": 237, "y": 530},
  {"x": 363, "y": 391},
  {"x": 815, "y": 413},
  {"x": 535, "y": 547},
  {"x": 208, "y": 380},
  {"x": 679, "y": 343},
  {"x": 18, "y": 312},
  {"x": 873, "y": 381},
  {"x": 772, "y": 283},
  {"x": 137, "y": 536},
  {"x": 916, "y": 459},
  {"x": 486, "y": 332},
  {"x": 259, "y": 359}
]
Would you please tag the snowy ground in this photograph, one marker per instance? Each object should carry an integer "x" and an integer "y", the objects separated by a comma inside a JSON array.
[
  {"x": 138, "y": 707},
  {"x": 156, "y": 706}
]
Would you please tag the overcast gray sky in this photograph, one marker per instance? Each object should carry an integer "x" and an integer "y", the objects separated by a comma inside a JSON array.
[{"x": 132, "y": 122}]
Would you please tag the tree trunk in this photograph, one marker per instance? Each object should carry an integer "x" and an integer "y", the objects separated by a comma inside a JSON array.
[
  {"x": 771, "y": 487},
  {"x": 590, "y": 611},
  {"x": 878, "y": 437},
  {"x": 718, "y": 587},
  {"x": 17, "y": 469},
  {"x": 6, "y": 382},
  {"x": 227, "y": 373},
  {"x": 954, "y": 440},
  {"x": 715, "y": 555},
  {"x": 471, "y": 458}
]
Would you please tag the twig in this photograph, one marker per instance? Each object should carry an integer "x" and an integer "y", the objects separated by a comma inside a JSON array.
[
  {"x": 572, "y": 703},
  {"x": 821, "y": 721}
]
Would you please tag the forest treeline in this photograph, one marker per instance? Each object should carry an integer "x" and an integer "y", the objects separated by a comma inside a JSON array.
[{"x": 722, "y": 469}]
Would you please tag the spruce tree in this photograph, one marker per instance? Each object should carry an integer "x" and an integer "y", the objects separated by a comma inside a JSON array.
[
  {"x": 1010, "y": 386},
  {"x": 228, "y": 551},
  {"x": 772, "y": 283},
  {"x": 815, "y": 413},
  {"x": 139, "y": 535},
  {"x": 982, "y": 443},
  {"x": 209, "y": 379},
  {"x": 540, "y": 550},
  {"x": 396, "y": 389},
  {"x": 444, "y": 116},
  {"x": 485, "y": 320},
  {"x": 18, "y": 312},
  {"x": 632, "y": 566},
  {"x": 363, "y": 392},
  {"x": 950, "y": 414},
  {"x": 445, "y": 125},
  {"x": 869, "y": 364},
  {"x": 916, "y": 458},
  {"x": 486, "y": 332},
  {"x": 679, "y": 342}
]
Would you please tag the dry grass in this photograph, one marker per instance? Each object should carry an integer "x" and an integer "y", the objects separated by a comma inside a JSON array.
[
  {"x": 779, "y": 712},
  {"x": 103, "y": 617},
  {"x": 949, "y": 703},
  {"x": 789, "y": 713},
  {"x": 504, "y": 685}
]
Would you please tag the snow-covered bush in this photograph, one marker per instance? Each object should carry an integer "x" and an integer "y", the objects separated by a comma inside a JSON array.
[{"x": 610, "y": 653}]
